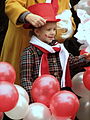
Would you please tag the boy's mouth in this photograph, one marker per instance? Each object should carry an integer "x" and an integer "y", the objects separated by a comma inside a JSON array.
[{"x": 51, "y": 37}]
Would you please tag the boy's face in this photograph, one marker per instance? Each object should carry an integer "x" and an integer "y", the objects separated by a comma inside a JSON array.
[{"x": 47, "y": 32}]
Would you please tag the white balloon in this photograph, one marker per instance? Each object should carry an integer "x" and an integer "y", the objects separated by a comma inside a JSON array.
[
  {"x": 20, "y": 110},
  {"x": 58, "y": 118},
  {"x": 22, "y": 92},
  {"x": 84, "y": 110},
  {"x": 38, "y": 111},
  {"x": 78, "y": 86}
]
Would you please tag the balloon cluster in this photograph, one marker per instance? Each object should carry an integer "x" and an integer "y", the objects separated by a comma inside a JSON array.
[
  {"x": 14, "y": 99},
  {"x": 50, "y": 103},
  {"x": 81, "y": 87},
  {"x": 44, "y": 88},
  {"x": 8, "y": 92},
  {"x": 63, "y": 105}
]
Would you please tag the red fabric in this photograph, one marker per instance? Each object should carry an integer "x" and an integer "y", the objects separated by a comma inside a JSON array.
[
  {"x": 73, "y": 117},
  {"x": 83, "y": 51},
  {"x": 56, "y": 49},
  {"x": 68, "y": 81},
  {"x": 42, "y": 9},
  {"x": 45, "y": 66},
  {"x": 44, "y": 60},
  {"x": 55, "y": 6}
]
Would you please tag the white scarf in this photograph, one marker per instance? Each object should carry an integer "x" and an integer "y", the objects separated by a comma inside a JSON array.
[
  {"x": 48, "y": 1},
  {"x": 63, "y": 55}
]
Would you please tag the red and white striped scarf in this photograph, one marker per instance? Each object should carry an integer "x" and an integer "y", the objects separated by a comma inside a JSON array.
[{"x": 63, "y": 55}]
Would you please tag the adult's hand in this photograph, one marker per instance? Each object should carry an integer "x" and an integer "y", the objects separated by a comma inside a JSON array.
[
  {"x": 35, "y": 20},
  {"x": 87, "y": 55}
]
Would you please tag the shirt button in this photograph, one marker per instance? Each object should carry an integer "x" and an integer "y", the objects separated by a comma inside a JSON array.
[
  {"x": 55, "y": 73},
  {"x": 54, "y": 61}
]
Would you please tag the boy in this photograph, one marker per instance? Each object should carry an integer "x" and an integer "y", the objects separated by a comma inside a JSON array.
[{"x": 45, "y": 55}]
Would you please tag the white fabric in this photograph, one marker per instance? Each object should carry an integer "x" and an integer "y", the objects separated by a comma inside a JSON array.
[
  {"x": 83, "y": 31},
  {"x": 65, "y": 23},
  {"x": 63, "y": 54},
  {"x": 48, "y": 1}
]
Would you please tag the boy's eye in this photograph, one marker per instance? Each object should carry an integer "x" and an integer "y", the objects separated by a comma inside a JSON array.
[
  {"x": 48, "y": 29},
  {"x": 51, "y": 29}
]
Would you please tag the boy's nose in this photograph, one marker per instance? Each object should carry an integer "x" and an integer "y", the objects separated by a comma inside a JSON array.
[{"x": 53, "y": 32}]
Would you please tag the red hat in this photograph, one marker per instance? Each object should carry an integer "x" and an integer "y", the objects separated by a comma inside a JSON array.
[{"x": 44, "y": 10}]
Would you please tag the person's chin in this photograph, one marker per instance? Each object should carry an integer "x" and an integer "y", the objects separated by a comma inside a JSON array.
[{"x": 50, "y": 41}]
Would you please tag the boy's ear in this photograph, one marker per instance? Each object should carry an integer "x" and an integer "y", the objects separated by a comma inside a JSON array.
[{"x": 36, "y": 31}]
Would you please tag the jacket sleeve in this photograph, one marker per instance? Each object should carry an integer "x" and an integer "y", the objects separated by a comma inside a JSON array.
[
  {"x": 26, "y": 71},
  {"x": 78, "y": 61},
  {"x": 77, "y": 64},
  {"x": 14, "y": 8}
]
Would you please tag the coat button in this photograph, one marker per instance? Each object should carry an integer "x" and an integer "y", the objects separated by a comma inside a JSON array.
[
  {"x": 55, "y": 73},
  {"x": 54, "y": 61}
]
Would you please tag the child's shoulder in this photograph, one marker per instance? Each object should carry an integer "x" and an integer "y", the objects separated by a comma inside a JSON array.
[{"x": 31, "y": 48}]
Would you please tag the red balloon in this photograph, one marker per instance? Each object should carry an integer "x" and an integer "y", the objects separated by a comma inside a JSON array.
[
  {"x": 1, "y": 115},
  {"x": 43, "y": 88},
  {"x": 7, "y": 72},
  {"x": 86, "y": 78},
  {"x": 64, "y": 104},
  {"x": 8, "y": 96}
]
